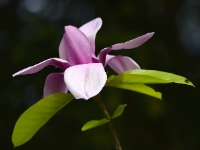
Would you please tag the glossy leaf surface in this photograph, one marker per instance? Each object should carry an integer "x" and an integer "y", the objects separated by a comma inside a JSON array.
[
  {"x": 150, "y": 77},
  {"x": 37, "y": 115},
  {"x": 135, "y": 79}
]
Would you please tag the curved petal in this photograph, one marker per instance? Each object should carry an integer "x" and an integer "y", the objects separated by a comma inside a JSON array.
[
  {"x": 102, "y": 55},
  {"x": 62, "y": 64},
  {"x": 77, "y": 46},
  {"x": 54, "y": 84},
  {"x": 95, "y": 59},
  {"x": 90, "y": 29},
  {"x": 108, "y": 58},
  {"x": 86, "y": 80},
  {"x": 133, "y": 43},
  {"x": 62, "y": 51},
  {"x": 122, "y": 63},
  {"x": 127, "y": 45}
]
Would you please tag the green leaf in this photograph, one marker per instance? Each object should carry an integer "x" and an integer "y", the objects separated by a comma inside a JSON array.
[
  {"x": 141, "y": 88},
  {"x": 110, "y": 78},
  {"x": 37, "y": 115},
  {"x": 93, "y": 124},
  {"x": 96, "y": 123},
  {"x": 149, "y": 77},
  {"x": 135, "y": 79},
  {"x": 118, "y": 112}
]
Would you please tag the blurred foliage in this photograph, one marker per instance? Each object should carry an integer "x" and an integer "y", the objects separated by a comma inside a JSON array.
[{"x": 31, "y": 30}]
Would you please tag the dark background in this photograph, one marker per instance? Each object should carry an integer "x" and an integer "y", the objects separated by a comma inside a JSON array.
[{"x": 30, "y": 32}]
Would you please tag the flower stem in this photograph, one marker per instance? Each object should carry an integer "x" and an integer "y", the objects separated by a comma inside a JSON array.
[{"x": 99, "y": 101}]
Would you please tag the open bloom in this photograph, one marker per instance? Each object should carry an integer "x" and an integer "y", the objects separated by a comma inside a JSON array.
[{"x": 84, "y": 75}]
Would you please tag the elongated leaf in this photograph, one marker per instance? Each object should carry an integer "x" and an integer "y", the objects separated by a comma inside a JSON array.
[
  {"x": 93, "y": 124},
  {"x": 118, "y": 112},
  {"x": 141, "y": 88},
  {"x": 149, "y": 77},
  {"x": 37, "y": 115}
]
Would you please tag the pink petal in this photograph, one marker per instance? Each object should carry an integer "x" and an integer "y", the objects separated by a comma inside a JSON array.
[
  {"x": 133, "y": 43},
  {"x": 77, "y": 46},
  {"x": 127, "y": 45},
  {"x": 62, "y": 51},
  {"x": 108, "y": 58},
  {"x": 54, "y": 84},
  {"x": 102, "y": 55},
  {"x": 86, "y": 80},
  {"x": 63, "y": 64},
  {"x": 90, "y": 29},
  {"x": 122, "y": 63},
  {"x": 95, "y": 59}
]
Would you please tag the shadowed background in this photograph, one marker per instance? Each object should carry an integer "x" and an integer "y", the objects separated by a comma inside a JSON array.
[{"x": 30, "y": 32}]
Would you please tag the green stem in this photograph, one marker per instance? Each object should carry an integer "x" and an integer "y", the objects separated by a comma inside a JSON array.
[{"x": 99, "y": 101}]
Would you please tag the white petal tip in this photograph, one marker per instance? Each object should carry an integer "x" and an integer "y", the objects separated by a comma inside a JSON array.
[{"x": 86, "y": 80}]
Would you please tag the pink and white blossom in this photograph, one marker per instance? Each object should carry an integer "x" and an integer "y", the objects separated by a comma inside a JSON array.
[{"x": 83, "y": 72}]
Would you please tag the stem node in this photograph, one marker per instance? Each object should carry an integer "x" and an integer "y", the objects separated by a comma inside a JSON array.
[{"x": 99, "y": 101}]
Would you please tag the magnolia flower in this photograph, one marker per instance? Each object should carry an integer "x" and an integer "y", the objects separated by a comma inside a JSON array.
[{"x": 84, "y": 75}]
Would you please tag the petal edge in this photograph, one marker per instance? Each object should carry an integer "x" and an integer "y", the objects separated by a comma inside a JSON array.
[
  {"x": 90, "y": 29},
  {"x": 62, "y": 64}
]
